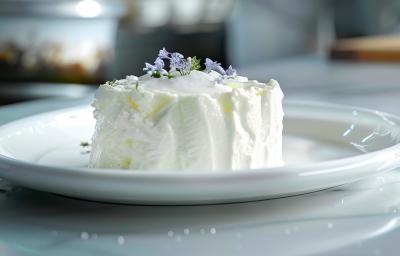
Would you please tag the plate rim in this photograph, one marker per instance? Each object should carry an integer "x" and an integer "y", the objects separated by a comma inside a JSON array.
[{"x": 281, "y": 170}]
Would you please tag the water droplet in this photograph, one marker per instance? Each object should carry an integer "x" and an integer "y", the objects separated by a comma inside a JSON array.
[
  {"x": 84, "y": 236},
  {"x": 213, "y": 231},
  {"x": 186, "y": 231},
  {"x": 170, "y": 233},
  {"x": 287, "y": 231},
  {"x": 94, "y": 236},
  {"x": 380, "y": 189},
  {"x": 202, "y": 231},
  {"x": 342, "y": 202},
  {"x": 121, "y": 240},
  {"x": 178, "y": 238},
  {"x": 296, "y": 228},
  {"x": 330, "y": 225}
]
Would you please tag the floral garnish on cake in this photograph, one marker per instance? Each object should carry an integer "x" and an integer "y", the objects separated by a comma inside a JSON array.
[{"x": 175, "y": 64}]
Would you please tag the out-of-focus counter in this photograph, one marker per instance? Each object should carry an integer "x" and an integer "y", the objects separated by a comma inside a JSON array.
[{"x": 372, "y": 85}]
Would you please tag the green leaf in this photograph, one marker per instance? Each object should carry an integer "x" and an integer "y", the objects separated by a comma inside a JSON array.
[
  {"x": 195, "y": 64},
  {"x": 169, "y": 76},
  {"x": 156, "y": 74},
  {"x": 111, "y": 83},
  {"x": 85, "y": 144}
]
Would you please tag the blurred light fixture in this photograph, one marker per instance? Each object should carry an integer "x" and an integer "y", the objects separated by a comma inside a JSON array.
[
  {"x": 153, "y": 13},
  {"x": 188, "y": 12},
  {"x": 88, "y": 8}
]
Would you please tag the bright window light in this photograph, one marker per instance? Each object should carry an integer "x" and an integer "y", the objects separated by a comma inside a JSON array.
[{"x": 88, "y": 8}]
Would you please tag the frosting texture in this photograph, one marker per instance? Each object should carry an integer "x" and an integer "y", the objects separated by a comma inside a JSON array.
[{"x": 191, "y": 122}]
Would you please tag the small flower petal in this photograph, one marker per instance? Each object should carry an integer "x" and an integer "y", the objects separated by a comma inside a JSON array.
[
  {"x": 176, "y": 55},
  {"x": 211, "y": 65},
  {"x": 178, "y": 63},
  {"x": 163, "y": 72},
  {"x": 149, "y": 67},
  {"x": 159, "y": 63},
  {"x": 231, "y": 71},
  {"x": 163, "y": 53}
]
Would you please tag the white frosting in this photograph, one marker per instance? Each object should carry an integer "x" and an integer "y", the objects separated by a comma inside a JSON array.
[{"x": 187, "y": 123}]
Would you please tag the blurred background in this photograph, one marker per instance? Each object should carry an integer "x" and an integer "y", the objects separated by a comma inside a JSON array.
[{"x": 65, "y": 48}]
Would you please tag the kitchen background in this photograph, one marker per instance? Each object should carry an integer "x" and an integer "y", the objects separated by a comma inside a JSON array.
[{"x": 65, "y": 48}]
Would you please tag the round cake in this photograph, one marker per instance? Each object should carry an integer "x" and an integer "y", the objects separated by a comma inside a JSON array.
[{"x": 185, "y": 118}]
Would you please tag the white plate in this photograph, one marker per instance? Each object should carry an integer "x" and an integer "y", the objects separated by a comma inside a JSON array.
[{"x": 324, "y": 146}]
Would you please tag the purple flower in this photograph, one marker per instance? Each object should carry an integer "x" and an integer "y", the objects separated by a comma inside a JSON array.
[
  {"x": 158, "y": 67},
  {"x": 215, "y": 66},
  {"x": 231, "y": 71},
  {"x": 176, "y": 55},
  {"x": 159, "y": 63},
  {"x": 177, "y": 62},
  {"x": 163, "y": 54},
  {"x": 186, "y": 66},
  {"x": 149, "y": 68}
]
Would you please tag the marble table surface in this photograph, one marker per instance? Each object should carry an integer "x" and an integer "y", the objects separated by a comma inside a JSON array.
[{"x": 362, "y": 218}]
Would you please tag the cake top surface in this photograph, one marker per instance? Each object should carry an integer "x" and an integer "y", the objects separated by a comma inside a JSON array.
[{"x": 184, "y": 77}]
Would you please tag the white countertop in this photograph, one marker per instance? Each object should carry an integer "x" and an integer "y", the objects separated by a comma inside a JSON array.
[{"x": 355, "y": 219}]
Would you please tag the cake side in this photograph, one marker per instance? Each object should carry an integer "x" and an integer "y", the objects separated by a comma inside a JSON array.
[{"x": 193, "y": 122}]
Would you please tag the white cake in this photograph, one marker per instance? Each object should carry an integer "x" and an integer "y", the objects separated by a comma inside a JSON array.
[{"x": 197, "y": 121}]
